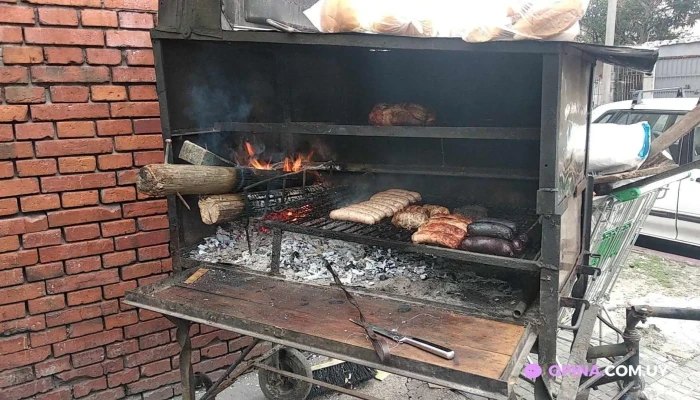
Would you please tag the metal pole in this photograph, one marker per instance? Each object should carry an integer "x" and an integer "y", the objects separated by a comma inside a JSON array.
[{"x": 606, "y": 95}]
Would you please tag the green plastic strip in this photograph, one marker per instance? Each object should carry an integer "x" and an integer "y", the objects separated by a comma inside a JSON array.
[{"x": 627, "y": 195}]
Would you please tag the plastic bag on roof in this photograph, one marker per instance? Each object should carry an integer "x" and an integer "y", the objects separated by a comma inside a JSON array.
[{"x": 471, "y": 21}]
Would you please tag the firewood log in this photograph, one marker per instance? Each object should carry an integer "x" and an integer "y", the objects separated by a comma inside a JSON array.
[{"x": 221, "y": 208}]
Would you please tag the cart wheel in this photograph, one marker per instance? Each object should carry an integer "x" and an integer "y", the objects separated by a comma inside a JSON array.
[{"x": 277, "y": 387}]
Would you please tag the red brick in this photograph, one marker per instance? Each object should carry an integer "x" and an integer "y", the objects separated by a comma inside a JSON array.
[
  {"x": 60, "y": 56},
  {"x": 8, "y": 243},
  {"x": 28, "y": 389},
  {"x": 86, "y": 296},
  {"x": 70, "y": 147},
  {"x": 70, "y": 74},
  {"x": 215, "y": 350},
  {"x": 123, "y": 377},
  {"x": 82, "y": 281},
  {"x": 104, "y": 56},
  {"x": 142, "y": 239},
  {"x": 150, "y": 355},
  {"x": 144, "y": 328},
  {"x": 148, "y": 208},
  {"x": 14, "y": 311},
  {"x": 123, "y": 348},
  {"x": 75, "y": 182},
  {"x": 134, "y": 74},
  {"x": 16, "y": 376},
  {"x": 69, "y": 3},
  {"x": 22, "y": 358},
  {"x": 13, "y": 113},
  {"x": 44, "y": 271},
  {"x": 63, "y": 393},
  {"x": 142, "y": 92},
  {"x": 45, "y": 304},
  {"x": 68, "y": 165},
  {"x": 118, "y": 38},
  {"x": 154, "y": 382},
  {"x": 79, "y": 199},
  {"x": 98, "y": 18},
  {"x": 69, "y": 111},
  {"x": 154, "y": 339},
  {"x": 14, "y": 14},
  {"x": 34, "y": 323},
  {"x": 140, "y": 57},
  {"x": 127, "y": 177},
  {"x": 14, "y": 74},
  {"x": 205, "y": 339},
  {"x": 41, "y": 239},
  {"x": 81, "y": 232},
  {"x": 156, "y": 368},
  {"x": 64, "y": 36},
  {"x": 48, "y": 336},
  {"x": 25, "y": 95},
  {"x": 20, "y": 258},
  {"x": 87, "y": 264},
  {"x": 58, "y": 16},
  {"x": 11, "y": 277},
  {"x": 141, "y": 142},
  {"x": 118, "y": 289},
  {"x": 14, "y": 344},
  {"x": 111, "y": 127},
  {"x": 145, "y": 5},
  {"x": 75, "y": 129},
  {"x": 36, "y": 167},
  {"x": 108, "y": 93},
  {"x": 135, "y": 20},
  {"x": 72, "y": 250},
  {"x": 154, "y": 252},
  {"x": 52, "y": 367},
  {"x": 10, "y": 34},
  {"x": 16, "y": 187},
  {"x": 6, "y": 134},
  {"x": 115, "y": 161},
  {"x": 122, "y": 319},
  {"x": 83, "y": 215},
  {"x": 118, "y": 195},
  {"x": 74, "y": 314},
  {"x": 88, "y": 357},
  {"x": 22, "y": 55},
  {"x": 87, "y": 342},
  {"x": 35, "y": 131},
  {"x": 141, "y": 270},
  {"x": 7, "y": 170},
  {"x": 40, "y": 202},
  {"x": 85, "y": 328},
  {"x": 121, "y": 227},
  {"x": 86, "y": 387},
  {"x": 10, "y": 151},
  {"x": 69, "y": 94},
  {"x": 8, "y": 207},
  {"x": 20, "y": 225},
  {"x": 152, "y": 279},
  {"x": 118, "y": 259}
]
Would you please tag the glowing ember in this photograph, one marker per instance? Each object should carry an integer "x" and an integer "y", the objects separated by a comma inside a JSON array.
[
  {"x": 288, "y": 164},
  {"x": 290, "y": 214}
]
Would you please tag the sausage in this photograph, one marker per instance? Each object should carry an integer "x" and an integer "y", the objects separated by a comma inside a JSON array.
[
  {"x": 488, "y": 245},
  {"x": 518, "y": 246},
  {"x": 510, "y": 224},
  {"x": 490, "y": 229}
]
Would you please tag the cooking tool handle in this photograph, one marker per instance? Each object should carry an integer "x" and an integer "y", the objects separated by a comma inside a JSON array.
[{"x": 432, "y": 348}]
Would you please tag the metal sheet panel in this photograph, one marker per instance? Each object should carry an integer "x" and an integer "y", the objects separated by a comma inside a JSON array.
[{"x": 678, "y": 72}]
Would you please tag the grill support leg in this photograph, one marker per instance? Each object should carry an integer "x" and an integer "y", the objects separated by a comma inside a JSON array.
[
  {"x": 186, "y": 373},
  {"x": 276, "y": 251}
]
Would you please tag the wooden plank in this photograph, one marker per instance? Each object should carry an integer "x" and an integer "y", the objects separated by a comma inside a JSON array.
[{"x": 476, "y": 332}]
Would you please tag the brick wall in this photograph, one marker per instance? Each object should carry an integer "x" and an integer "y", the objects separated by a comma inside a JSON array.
[{"x": 78, "y": 116}]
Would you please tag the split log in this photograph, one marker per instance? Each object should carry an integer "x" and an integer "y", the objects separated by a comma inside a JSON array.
[
  {"x": 221, "y": 208},
  {"x": 167, "y": 179},
  {"x": 640, "y": 173},
  {"x": 198, "y": 155}
]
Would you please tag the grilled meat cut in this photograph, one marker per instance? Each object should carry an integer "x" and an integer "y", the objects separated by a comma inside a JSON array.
[
  {"x": 439, "y": 238},
  {"x": 404, "y": 114}
]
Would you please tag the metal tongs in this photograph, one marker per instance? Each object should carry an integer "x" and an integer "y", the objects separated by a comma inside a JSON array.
[{"x": 424, "y": 345}]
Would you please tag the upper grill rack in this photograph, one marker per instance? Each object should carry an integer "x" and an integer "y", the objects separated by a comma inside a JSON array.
[{"x": 312, "y": 219}]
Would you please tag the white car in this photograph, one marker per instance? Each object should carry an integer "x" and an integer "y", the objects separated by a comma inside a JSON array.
[{"x": 676, "y": 213}]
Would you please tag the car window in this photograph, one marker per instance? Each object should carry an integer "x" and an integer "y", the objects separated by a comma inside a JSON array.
[
  {"x": 657, "y": 121},
  {"x": 605, "y": 118},
  {"x": 696, "y": 144}
]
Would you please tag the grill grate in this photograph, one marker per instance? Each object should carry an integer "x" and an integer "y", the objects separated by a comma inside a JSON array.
[{"x": 312, "y": 219}]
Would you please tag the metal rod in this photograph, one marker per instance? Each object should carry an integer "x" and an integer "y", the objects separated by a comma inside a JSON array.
[
  {"x": 570, "y": 383},
  {"x": 608, "y": 350},
  {"x": 230, "y": 369},
  {"x": 186, "y": 371},
  {"x": 339, "y": 389},
  {"x": 245, "y": 367},
  {"x": 520, "y": 309},
  {"x": 624, "y": 390},
  {"x": 595, "y": 379}
]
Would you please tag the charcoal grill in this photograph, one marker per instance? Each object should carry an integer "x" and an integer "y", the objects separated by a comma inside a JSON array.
[{"x": 511, "y": 134}]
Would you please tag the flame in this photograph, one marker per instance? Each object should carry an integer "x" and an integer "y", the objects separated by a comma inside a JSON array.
[{"x": 288, "y": 164}]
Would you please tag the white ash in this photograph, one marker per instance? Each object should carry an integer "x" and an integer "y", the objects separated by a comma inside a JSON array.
[{"x": 303, "y": 259}]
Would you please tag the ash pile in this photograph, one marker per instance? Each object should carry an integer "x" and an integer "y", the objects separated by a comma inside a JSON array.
[{"x": 379, "y": 269}]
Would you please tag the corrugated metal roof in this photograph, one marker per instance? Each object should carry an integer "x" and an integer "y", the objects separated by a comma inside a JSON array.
[{"x": 659, "y": 43}]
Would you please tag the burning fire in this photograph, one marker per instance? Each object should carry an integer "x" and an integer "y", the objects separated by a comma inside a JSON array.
[{"x": 288, "y": 164}]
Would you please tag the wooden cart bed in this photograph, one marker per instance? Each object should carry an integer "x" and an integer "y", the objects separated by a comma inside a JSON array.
[{"x": 488, "y": 353}]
